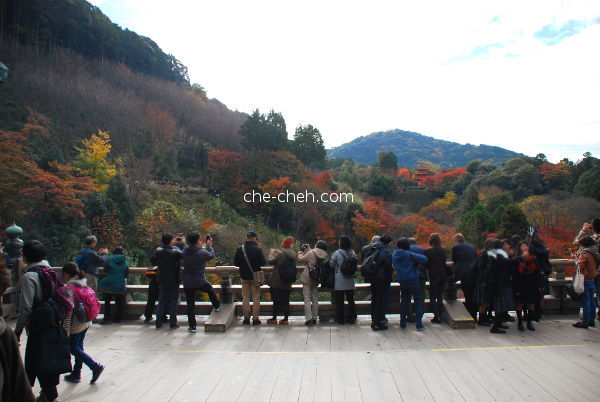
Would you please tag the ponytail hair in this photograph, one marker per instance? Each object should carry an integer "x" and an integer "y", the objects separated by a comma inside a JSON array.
[{"x": 72, "y": 270}]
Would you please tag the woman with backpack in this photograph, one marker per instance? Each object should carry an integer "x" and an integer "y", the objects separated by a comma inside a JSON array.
[
  {"x": 310, "y": 279},
  {"x": 78, "y": 325},
  {"x": 344, "y": 284},
  {"x": 280, "y": 281},
  {"x": 114, "y": 284}
]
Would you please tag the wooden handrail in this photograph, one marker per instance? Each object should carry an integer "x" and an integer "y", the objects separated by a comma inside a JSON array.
[{"x": 232, "y": 270}]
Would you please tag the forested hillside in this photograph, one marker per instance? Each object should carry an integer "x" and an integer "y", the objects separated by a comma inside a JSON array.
[{"x": 413, "y": 148}]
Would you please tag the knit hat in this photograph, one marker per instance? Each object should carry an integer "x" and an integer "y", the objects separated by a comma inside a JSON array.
[{"x": 287, "y": 242}]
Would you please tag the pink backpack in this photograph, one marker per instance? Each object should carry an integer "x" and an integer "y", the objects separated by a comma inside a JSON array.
[{"x": 87, "y": 296}]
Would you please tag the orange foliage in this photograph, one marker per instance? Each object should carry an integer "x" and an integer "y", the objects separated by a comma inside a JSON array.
[
  {"x": 442, "y": 181},
  {"x": 323, "y": 178},
  {"x": 206, "y": 225},
  {"x": 275, "y": 186},
  {"x": 160, "y": 121},
  {"x": 558, "y": 240},
  {"x": 59, "y": 190},
  {"x": 226, "y": 173},
  {"x": 377, "y": 219},
  {"x": 405, "y": 174},
  {"x": 420, "y": 228}
]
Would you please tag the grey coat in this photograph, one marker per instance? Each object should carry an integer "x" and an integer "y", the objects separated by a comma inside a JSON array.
[{"x": 342, "y": 282}]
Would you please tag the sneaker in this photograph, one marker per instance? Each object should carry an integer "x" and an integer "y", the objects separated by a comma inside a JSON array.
[
  {"x": 192, "y": 329},
  {"x": 380, "y": 327},
  {"x": 592, "y": 324},
  {"x": 436, "y": 320},
  {"x": 530, "y": 326},
  {"x": 580, "y": 325},
  {"x": 521, "y": 327},
  {"x": 218, "y": 309},
  {"x": 420, "y": 327},
  {"x": 497, "y": 330},
  {"x": 74, "y": 378},
  {"x": 284, "y": 322},
  {"x": 385, "y": 321},
  {"x": 271, "y": 321},
  {"x": 173, "y": 326},
  {"x": 256, "y": 321},
  {"x": 148, "y": 320},
  {"x": 246, "y": 321},
  {"x": 96, "y": 373}
]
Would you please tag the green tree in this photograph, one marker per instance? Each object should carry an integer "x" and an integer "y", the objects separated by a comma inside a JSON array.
[
  {"x": 381, "y": 186},
  {"x": 588, "y": 184},
  {"x": 308, "y": 145},
  {"x": 264, "y": 133},
  {"x": 387, "y": 161},
  {"x": 513, "y": 222},
  {"x": 475, "y": 223},
  {"x": 117, "y": 192}
]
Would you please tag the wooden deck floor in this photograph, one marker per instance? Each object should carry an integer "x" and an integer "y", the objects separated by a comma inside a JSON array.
[{"x": 341, "y": 363}]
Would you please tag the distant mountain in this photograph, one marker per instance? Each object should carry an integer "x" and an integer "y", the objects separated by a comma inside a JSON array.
[{"x": 410, "y": 148}]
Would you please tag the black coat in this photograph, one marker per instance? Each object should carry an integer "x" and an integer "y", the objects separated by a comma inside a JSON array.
[
  {"x": 385, "y": 269},
  {"x": 47, "y": 351},
  {"x": 464, "y": 256},
  {"x": 256, "y": 257},
  {"x": 16, "y": 386},
  {"x": 168, "y": 259},
  {"x": 194, "y": 263}
]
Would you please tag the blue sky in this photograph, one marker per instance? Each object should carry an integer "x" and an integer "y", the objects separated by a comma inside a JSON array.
[{"x": 521, "y": 75}]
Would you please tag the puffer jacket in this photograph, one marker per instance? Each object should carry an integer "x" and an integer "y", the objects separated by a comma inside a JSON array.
[
  {"x": 310, "y": 258},
  {"x": 169, "y": 260},
  {"x": 277, "y": 259},
  {"x": 588, "y": 262},
  {"x": 117, "y": 270}
]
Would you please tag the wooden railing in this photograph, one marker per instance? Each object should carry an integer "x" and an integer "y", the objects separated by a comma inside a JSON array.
[{"x": 556, "y": 302}]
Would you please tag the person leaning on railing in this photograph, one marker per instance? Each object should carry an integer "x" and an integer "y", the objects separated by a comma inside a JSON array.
[{"x": 310, "y": 286}]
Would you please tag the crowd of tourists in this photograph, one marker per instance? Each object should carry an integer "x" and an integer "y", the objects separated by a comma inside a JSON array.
[{"x": 57, "y": 311}]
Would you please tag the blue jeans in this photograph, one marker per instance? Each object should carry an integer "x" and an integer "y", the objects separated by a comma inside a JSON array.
[
  {"x": 589, "y": 304},
  {"x": 167, "y": 303},
  {"x": 76, "y": 346},
  {"x": 406, "y": 293}
]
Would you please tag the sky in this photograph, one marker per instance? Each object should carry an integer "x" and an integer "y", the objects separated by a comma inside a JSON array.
[{"x": 523, "y": 75}]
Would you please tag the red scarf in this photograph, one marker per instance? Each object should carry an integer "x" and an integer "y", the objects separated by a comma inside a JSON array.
[{"x": 528, "y": 265}]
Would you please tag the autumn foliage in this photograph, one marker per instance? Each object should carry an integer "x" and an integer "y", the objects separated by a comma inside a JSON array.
[{"x": 442, "y": 181}]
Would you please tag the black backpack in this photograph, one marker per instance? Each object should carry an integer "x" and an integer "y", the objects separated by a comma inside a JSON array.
[
  {"x": 370, "y": 264},
  {"x": 288, "y": 271},
  {"x": 349, "y": 265},
  {"x": 315, "y": 272}
]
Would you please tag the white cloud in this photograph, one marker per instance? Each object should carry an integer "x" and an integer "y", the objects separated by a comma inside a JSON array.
[{"x": 352, "y": 67}]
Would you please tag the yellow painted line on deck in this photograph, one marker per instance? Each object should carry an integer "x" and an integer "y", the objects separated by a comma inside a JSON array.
[{"x": 508, "y": 347}]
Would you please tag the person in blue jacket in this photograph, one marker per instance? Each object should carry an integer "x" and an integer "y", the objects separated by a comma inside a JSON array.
[{"x": 405, "y": 262}]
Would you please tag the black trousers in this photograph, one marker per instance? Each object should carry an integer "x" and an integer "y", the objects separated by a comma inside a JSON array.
[
  {"x": 339, "y": 305},
  {"x": 469, "y": 291},
  {"x": 48, "y": 383},
  {"x": 378, "y": 290},
  {"x": 436, "y": 296},
  {"x": 190, "y": 298},
  {"x": 153, "y": 292},
  {"x": 119, "y": 302},
  {"x": 281, "y": 302}
]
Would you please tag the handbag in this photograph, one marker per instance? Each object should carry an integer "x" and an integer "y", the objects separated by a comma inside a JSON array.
[
  {"x": 578, "y": 280},
  {"x": 259, "y": 276}
]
